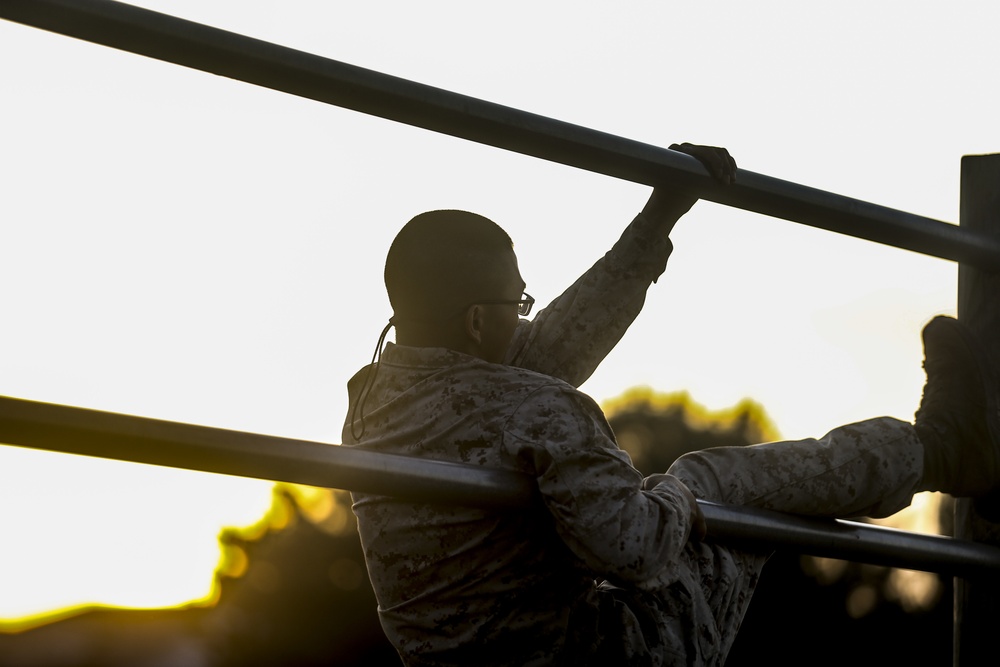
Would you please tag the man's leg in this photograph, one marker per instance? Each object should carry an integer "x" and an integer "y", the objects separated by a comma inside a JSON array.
[
  {"x": 871, "y": 468},
  {"x": 874, "y": 467}
]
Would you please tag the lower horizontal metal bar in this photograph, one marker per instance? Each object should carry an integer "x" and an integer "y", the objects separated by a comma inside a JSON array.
[
  {"x": 228, "y": 54},
  {"x": 74, "y": 430},
  {"x": 109, "y": 435},
  {"x": 760, "y": 529}
]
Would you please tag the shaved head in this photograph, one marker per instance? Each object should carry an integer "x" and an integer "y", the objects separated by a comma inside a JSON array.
[{"x": 443, "y": 260}]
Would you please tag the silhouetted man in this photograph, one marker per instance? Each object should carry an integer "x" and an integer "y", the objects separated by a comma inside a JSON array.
[{"x": 609, "y": 568}]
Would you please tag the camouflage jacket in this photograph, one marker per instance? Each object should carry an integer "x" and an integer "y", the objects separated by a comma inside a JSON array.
[{"x": 464, "y": 586}]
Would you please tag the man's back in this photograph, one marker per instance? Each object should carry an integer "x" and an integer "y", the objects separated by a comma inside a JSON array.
[{"x": 463, "y": 585}]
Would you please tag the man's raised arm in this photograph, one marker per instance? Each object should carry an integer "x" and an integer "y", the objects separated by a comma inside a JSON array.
[{"x": 570, "y": 337}]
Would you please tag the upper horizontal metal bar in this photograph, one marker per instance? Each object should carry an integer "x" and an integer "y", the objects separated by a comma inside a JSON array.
[
  {"x": 128, "y": 438},
  {"x": 288, "y": 70}
]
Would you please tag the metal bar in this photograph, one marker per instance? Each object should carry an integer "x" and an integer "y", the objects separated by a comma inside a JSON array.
[
  {"x": 142, "y": 440},
  {"x": 977, "y": 603},
  {"x": 849, "y": 540},
  {"x": 265, "y": 64},
  {"x": 109, "y": 435}
]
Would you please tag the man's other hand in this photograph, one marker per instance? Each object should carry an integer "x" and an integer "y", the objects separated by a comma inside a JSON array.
[{"x": 699, "y": 527}]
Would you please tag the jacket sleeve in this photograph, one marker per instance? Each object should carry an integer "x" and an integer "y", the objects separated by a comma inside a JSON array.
[
  {"x": 591, "y": 489},
  {"x": 570, "y": 337}
]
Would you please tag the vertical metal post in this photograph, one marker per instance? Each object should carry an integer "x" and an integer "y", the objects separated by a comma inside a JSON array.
[{"x": 977, "y": 603}]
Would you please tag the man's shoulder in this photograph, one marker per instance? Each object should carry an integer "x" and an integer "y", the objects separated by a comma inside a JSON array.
[
  {"x": 500, "y": 386},
  {"x": 454, "y": 368},
  {"x": 527, "y": 383}
]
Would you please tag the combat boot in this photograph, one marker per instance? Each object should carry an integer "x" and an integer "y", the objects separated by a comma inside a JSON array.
[{"x": 958, "y": 422}]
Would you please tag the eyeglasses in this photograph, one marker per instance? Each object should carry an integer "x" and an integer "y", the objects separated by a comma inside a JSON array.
[{"x": 524, "y": 304}]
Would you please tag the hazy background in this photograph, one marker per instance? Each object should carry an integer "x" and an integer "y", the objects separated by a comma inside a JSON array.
[{"x": 186, "y": 247}]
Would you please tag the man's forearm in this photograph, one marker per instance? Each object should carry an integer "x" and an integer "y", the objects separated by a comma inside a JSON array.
[
  {"x": 570, "y": 337},
  {"x": 665, "y": 207}
]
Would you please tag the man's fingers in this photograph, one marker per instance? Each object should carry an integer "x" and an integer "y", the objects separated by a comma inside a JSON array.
[
  {"x": 652, "y": 480},
  {"x": 730, "y": 165},
  {"x": 699, "y": 528},
  {"x": 717, "y": 161},
  {"x": 720, "y": 164}
]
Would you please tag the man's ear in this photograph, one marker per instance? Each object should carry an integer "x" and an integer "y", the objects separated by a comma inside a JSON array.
[{"x": 474, "y": 324}]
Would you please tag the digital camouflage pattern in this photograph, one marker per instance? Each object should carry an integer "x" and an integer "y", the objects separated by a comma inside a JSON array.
[{"x": 601, "y": 572}]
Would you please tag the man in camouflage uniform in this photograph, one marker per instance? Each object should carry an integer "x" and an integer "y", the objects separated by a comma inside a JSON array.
[{"x": 609, "y": 568}]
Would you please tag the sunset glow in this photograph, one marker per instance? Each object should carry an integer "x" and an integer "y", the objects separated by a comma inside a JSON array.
[
  {"x": 107, "y": 533},
  {"x": 186, "y": 247}
]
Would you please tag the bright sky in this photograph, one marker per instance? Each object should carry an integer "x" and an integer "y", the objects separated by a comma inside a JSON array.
[{"x": 185, "y": 247}]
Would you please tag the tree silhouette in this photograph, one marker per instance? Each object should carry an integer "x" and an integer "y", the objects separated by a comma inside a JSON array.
[{"x": 304, "y": 599}]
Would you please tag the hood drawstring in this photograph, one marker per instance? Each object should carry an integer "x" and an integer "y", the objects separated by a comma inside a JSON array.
[{"x": 366, "y": 388}]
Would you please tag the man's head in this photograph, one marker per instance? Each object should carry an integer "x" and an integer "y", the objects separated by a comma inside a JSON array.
[{"x": 442, "y": 269}]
